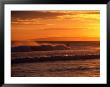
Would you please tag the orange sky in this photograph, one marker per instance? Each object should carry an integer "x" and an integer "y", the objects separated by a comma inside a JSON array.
[{"x": 56, "y": 25}]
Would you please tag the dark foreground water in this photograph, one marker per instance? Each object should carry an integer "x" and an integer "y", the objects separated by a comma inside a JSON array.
[
  {"x": 56, "y": 59},
  {"x": 58, "y": 68}
]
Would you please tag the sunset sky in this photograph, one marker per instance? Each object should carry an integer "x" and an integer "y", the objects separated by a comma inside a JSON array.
[{"x": 74, "y": 25}]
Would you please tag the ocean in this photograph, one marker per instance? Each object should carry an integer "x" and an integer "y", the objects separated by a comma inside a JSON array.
[{"x": 55, "y": 59}]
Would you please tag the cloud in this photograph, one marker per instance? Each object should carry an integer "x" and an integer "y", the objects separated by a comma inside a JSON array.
[
  {"x": 34, "y": 14},
  {"x": 46, "y": 14},
  {"x": 33, "y": 17},
  {"x": 72, "y": 28},
  {"x": 92, "y": 12}
]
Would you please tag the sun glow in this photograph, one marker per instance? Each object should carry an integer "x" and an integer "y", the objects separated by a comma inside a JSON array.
[{"x": 47, "y": 25}]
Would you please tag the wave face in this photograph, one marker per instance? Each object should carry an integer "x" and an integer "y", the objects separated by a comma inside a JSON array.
[
  {"x": 26, "y": 46},
  {"x": 39, "y": 48}
]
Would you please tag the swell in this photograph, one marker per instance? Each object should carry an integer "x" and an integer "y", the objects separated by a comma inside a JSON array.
[
  {"x": 73, "y": 68},
  {"x": 28, "y": 46},
  {"x": 39, "y": 48},
  {"x": 53, "y": 58}
]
